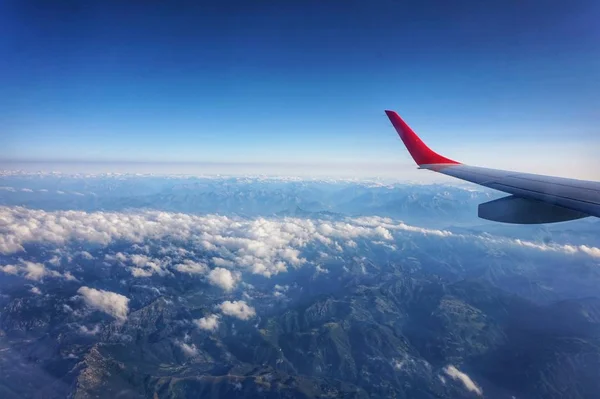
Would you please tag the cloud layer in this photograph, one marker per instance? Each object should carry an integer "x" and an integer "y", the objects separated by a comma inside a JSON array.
[
  {"x": 261, "y": 246},
  {"x": 265, "y": 246}
]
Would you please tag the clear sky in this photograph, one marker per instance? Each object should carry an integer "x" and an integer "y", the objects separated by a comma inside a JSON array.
[{"x": 512, "y": 84}]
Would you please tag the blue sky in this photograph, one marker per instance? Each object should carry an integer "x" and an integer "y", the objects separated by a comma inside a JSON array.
[{"x": 513, "y": 84}]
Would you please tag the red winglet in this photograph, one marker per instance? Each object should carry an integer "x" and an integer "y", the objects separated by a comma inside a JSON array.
[{"x": 422, "y": 154}]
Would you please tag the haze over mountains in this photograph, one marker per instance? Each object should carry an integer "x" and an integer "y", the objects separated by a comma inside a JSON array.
[{"x": 172, "y": 287}]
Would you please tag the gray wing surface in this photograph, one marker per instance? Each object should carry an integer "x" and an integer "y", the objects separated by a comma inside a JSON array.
[{"x": 533, "y": 199}]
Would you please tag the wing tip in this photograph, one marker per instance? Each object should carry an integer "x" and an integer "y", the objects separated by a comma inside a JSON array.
[{"x": 419, "y": 151}]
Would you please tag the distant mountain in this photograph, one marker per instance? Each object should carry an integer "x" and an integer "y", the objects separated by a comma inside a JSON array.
[
  {"x": 434, "y": 204},
  {"x": 362, "y": 307},
  {"x": 391, "y": 334}
]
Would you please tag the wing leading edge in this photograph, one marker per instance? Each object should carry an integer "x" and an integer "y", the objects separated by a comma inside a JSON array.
[{"x": 534, "y": 199}]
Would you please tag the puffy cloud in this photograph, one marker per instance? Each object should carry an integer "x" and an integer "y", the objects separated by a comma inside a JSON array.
[
  {"x": 69, "y": 277},
  {"x": 10, "y": 269},
  {"x": 191, "y": 267},
  {"x": 208, "y": 323},
  {"x": 34, "y": 271},
  {"x": 189, "y": 350},
  {"x": 458, "y": 375},
  {"x": 86, "y": 255},
  {"x": 223, "y": 278},
  {"x": 35, "y": 290},
  {"x": 292, "y": 256},
  {"x": 282, "y": 288},
  {"x": 222, "y": 262},
  {"x": 171, "y": 249},
  {"x": 10, "y": 243},
  {"x": 591, "y": 251},
  {"x": 321, "y": 269},
  {"x": 89, "y": 331},
  {"x": 279, "y": 290},
  {"x": 139, "y": 260},
  {"x": 237, "y": 309},
  {"x": 114, "y": 304},
  {"x": 143, "y": 265},
  {"x": 55, "y": 260},
  {"x": 139, "y": 272}
]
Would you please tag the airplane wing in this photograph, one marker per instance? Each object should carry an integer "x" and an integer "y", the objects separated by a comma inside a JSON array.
[{"x": 533, "y": 199}]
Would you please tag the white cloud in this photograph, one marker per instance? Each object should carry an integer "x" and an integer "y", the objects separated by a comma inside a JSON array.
[
  {"x": 261, "y": 246},
  {"x": 86, "y": 255},
  {"x": 139, "y": 260},
  {"x": 238, "y": 309},
  {"x": 209, "y": 322},
  {"x": 114, "y": 304},
  {"x": 281, "y": 288},
  {"x": 559, "y": 248},
  {"x": 68, "y": 276},
  {"x": 265, "y": 246},
  {"x": 34, "y": 271},
  {"x": 35, "y": 290},
  {"x": 592, "y": 251},
  {"x": 143, "y": 265},
  {"x": 189, "y": 350},
  {"x": 192, "y": 267},
  {"x": 55, "y": 260},
  {"x": 138, "y": 272},
  {"x": 119, "y": 256},
  {"x": 388, "y": 224},
  {"x": 322, "y": 270},
  {"x": 89, "y": 331},
  {"x": 222, "y": 262},
  {"x": 458, "y": 375},
  {"x": 10, "y": 269},
  {"x": 223, "y": 278}
]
